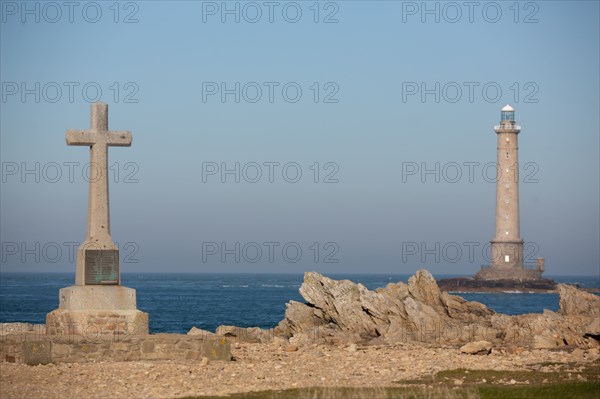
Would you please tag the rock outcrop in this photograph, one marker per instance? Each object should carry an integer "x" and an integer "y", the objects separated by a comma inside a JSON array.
[
  {"x": 345, "y": 312},
  {"x": 575, "y": 302},
  {"x": 248, "y": 334}
]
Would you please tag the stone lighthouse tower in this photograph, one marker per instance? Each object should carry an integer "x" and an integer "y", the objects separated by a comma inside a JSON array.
[{"x": 507, "y": 245}]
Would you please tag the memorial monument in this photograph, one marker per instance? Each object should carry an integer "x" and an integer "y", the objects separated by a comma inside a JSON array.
[{"x": 97, "y": 304}]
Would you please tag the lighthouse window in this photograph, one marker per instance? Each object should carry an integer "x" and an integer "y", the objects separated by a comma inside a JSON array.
[
  {"x": 506, "y": 232},
  {"x": 507, "y": 116},
  {"x": 506, "y": 154},
  {"x": 506, "y": 258}
]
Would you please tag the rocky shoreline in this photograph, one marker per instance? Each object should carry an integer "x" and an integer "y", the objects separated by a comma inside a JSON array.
[
  {"x": 344, "y": 335},
  {"x": 344, "y": 312}
]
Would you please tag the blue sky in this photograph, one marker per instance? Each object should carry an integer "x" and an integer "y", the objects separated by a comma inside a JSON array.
[{"x": 347, "y": 101}]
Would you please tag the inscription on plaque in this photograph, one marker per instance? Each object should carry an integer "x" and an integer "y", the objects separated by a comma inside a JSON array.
[{"x": 102, "y": 266}]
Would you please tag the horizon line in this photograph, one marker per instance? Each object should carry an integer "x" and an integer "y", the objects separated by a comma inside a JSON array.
[{"x": 286, "y": 273}]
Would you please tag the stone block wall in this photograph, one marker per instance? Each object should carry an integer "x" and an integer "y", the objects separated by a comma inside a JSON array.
[{"x": 32, "y": 348}]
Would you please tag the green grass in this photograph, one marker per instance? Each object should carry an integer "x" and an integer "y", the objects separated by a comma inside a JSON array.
[
  {"x": 563, "y": 390},
  {"x": 546, "y": 380},
  {"x": 356, "y": 393},
  {"x": 577, "y": 390}
]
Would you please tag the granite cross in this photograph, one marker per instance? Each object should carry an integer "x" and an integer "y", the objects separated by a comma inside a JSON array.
[{"x": 98, "y": 256}]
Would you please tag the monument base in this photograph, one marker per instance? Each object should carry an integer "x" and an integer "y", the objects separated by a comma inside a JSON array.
[{"x": 95, "y": 311}]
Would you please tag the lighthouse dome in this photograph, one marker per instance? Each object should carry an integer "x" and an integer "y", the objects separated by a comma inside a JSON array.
[{"x": 508, "y": 108}]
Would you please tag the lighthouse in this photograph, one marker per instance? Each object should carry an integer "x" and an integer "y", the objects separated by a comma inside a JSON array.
[{"x": 507, "y": 261}]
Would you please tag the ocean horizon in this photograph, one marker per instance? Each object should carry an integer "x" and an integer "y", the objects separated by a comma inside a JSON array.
[{"x": 176, "y": 302}]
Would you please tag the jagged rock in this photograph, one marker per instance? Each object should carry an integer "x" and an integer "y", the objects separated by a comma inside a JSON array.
[
  {"x": 575, "y": 302},
  {"x": 477, "y": 348},
  {"x": 398, "y": 291},
  {"x": 461, "y": 309},
  {"x": 544, "y": 342},
  {"x": 426, "y": 321},
  {"x": 249, "y": 334},
  {"x": 299, "y": 318},
  {"x": 198, "y": 331},
  {"x": 593, "y": 328},
  {"x": 342, "y": 312},
  {"x": 423, "y": 288},
  {"x": 350, "y": 306},
  {"x": 345, "y": 312}
]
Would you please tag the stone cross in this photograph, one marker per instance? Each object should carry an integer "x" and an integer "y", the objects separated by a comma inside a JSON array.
[{"x": 98, "y": 256}]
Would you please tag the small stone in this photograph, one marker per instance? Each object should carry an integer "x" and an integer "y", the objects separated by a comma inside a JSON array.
[
  {"x": 512, "y": 382},
  {"x": 457, "y": 382},
  {"x": 291, "y": 348},
  {"x": 477, "y": 348},
  {"x": 204, "y": 362},
  {"x": 352, "y": 348}
]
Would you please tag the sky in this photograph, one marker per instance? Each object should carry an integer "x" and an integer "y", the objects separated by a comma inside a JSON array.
[{"x": 341, "y": 137}]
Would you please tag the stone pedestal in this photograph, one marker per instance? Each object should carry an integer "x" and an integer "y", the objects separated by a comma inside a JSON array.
[{"x": 94, "y": 311}]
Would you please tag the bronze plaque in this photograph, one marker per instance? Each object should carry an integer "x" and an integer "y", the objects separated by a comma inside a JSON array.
[{"x": 101, "y": 266}]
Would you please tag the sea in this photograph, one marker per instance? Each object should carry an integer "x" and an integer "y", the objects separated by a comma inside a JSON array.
[{"x": 178, "y": 302}]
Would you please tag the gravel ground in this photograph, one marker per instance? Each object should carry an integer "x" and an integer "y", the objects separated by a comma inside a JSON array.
[{"x": 260, "y": 367}]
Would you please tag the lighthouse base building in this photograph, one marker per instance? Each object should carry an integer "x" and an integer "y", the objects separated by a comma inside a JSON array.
[{"x": 516, "y": 272}]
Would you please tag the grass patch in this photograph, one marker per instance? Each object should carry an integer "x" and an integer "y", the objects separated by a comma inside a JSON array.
[
  {"x": 574, "y": 390},
  {"x": 545, "y": 380},
  {"x": 357, "y": 393}
]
